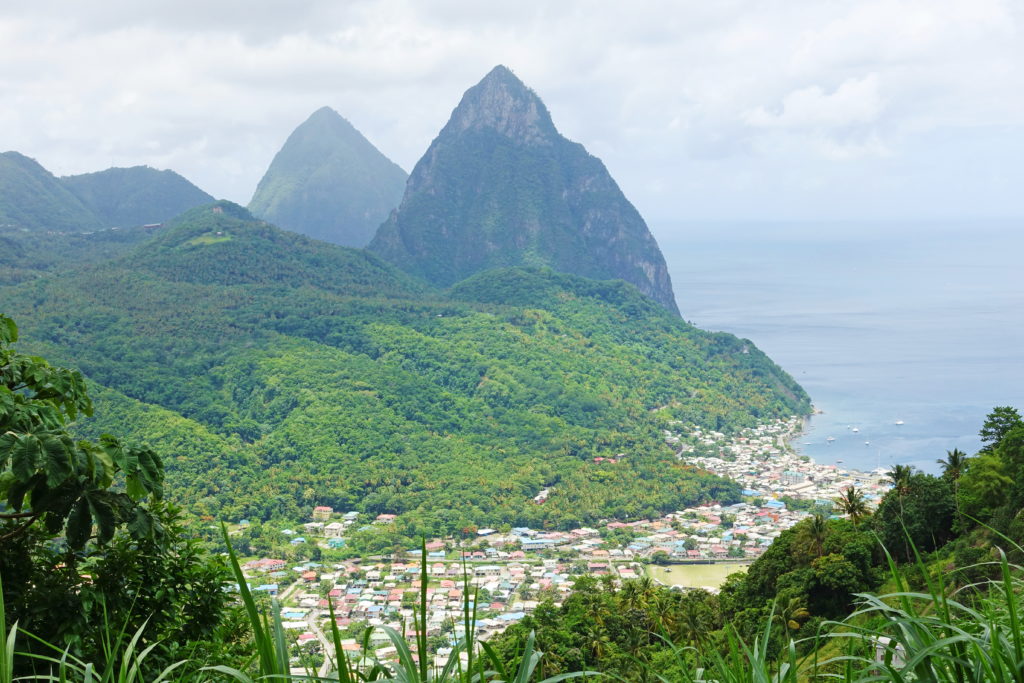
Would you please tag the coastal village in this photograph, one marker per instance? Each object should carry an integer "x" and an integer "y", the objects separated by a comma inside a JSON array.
[{"x": 512, "y": 573}]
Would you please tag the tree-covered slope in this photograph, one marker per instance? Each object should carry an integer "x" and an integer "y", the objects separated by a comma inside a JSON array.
[
  {"x": 135, "y": 196},
  {"x": 32, "y": 199},
  {"x": 329, "y": 182},
  {"x": 224, "y": 244},
  {"x": 316, "y": 374},
  {"x": 500, "y": 187},
  {"x": 25, "y": 255}
]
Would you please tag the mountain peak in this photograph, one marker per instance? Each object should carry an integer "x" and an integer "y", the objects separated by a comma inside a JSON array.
[
  {"x": 499, "y": 187},
  {"x": 329, "y": 182},
  {"x": 502, "y": 103}
]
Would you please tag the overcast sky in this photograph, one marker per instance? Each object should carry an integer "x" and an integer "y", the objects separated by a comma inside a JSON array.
[{"x": 702, "y": 110}]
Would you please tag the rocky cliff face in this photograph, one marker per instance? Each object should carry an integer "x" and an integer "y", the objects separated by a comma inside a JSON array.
[
  {"x": 499, "y": 186},
  {"x": 329, "y": 182}
]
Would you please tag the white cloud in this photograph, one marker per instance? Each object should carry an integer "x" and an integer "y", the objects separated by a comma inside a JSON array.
[
  {"x": 696, "y": 107},
  {"x": 856, "y": 101}
]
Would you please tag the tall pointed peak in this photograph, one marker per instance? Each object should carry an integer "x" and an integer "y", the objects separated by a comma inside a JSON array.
[
  {"x": 499, "y": 187},
  {"x": 502, "y": 103}
]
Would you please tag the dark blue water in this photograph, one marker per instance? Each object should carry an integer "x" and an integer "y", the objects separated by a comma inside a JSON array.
[{"x": 878, "y": 322}]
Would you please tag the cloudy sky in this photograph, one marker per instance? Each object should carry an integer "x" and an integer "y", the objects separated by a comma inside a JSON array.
[{"x": 723, "y": 110}]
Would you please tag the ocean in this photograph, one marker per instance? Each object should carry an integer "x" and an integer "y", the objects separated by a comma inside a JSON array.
[{"x": 880, "y": 323}]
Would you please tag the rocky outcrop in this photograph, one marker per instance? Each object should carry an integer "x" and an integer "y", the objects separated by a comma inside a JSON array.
[{"x": 500, "y": 187}]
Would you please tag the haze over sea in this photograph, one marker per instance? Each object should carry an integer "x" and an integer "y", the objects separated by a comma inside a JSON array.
[{"x": 919, "y": 322}]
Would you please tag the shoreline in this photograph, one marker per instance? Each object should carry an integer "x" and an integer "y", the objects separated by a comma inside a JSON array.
[{"x": 765, "y": 461}]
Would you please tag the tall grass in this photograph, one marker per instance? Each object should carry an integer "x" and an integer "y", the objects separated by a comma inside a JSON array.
[
  {"x": 125, "y": 655},
  {"x": 410, "y": 667},
  {"x": 939, "y": 634}
]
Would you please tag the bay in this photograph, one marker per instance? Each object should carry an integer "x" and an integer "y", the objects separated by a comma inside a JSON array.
[{"x": 880, "y": 322}]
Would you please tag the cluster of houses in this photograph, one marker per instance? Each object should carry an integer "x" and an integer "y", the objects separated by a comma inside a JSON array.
[
  {"x": 383, "y": 594},
  {"x": 514, "y": 570},
  {"x": 761, "y": 460}
]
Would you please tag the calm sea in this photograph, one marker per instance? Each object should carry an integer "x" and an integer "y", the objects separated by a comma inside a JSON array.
[{"x": 880, "y": 323}]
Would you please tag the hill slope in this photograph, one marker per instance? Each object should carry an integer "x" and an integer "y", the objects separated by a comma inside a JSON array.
[
  {"x": 31, "y": 198},
  {"x": 500, "y": 187},
  {"x": 329, "y": 182},
  {"x": 135, "y": 196},
  {"x": 316, "y": 374}
]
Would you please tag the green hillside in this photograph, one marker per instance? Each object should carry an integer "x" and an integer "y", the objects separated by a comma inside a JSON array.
[
  {"x": 329, "y": 182},
  {"x": 26, "y": 255},
  {"x": 135, "y": 196},
  {"x": 32, "y": 199},
  {"x": 288, "y": 373}
]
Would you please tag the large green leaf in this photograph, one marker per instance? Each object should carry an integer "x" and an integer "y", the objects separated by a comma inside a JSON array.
[
  {"x": 58, "y": 460},
  {"x": 26, "y": 454},
  {"x": 7, "y": 441},
  {"x": 104, "y": 514},
  {"x": 79, "y": 525},
  {"x": 8, "y": 330}
]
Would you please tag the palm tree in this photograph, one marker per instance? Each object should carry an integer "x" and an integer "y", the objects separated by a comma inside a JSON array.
[
  {"x": 953, "y": 467},
  {"x": 954, "y": 464},
  {"x": 792, "y": 614},
  {"x": 852, "y": 504},
  {"x": 899, "y": 475},
  {"x": 815, "y": 533}
]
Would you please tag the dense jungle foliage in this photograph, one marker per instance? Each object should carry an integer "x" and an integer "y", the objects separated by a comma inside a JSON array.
[{"x": 279, "y": 373}]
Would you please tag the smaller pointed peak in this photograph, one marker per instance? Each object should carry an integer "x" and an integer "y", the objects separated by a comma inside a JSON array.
[
  {"x": 325, "y": 112},
  {"x": 325, "y": 121},
  {"x": 325, "y": 116}
]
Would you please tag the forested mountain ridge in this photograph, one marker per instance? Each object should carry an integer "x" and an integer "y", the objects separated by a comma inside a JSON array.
[
  {"x": 31, "y": 198},
  {"x": 288, "y": 373},
  {"x": 329, "y": 182},
  {"x": 500, "y": 187},
  {"x": 134, "y": 196},
  {"x": 225, "y": 244}
]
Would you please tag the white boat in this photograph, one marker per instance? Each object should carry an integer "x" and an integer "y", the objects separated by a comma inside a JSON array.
[
  {"x": 855, "y": 430},
  {"x": 899, "y": 422},
  {"x": 867, "y": 443},
  {"x": 830, "y": 439}
]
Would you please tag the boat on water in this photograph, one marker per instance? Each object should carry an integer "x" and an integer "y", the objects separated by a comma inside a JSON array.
[
  {"x": 867, "y": 443},
  {"x": 899, "y": 422},
  {"x": 830, "y": 439},
  {"x": 855, "y": 430}
]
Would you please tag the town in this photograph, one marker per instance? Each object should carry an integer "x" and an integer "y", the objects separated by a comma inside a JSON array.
[{"x": 511, "y": 573}]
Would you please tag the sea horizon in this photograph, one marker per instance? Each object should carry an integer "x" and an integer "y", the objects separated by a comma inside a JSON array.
[{"x": 882, "y": 322}]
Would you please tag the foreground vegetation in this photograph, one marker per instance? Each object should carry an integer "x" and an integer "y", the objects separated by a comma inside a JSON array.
[
  {"x": 946, "y": 632},
  {"x": 101, "y": 581}
]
